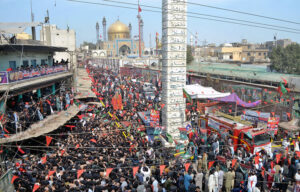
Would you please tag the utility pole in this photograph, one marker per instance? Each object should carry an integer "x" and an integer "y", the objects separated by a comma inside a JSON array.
[
  {"x": 32, "y": 20},
  {"x": 139, "y": 21}
]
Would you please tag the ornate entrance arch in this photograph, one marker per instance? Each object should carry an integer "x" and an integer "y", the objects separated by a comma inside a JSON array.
[{"x": 124, "y": 50}]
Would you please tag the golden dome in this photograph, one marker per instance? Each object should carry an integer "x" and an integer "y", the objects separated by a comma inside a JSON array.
[{"x": 118, "y": 30}]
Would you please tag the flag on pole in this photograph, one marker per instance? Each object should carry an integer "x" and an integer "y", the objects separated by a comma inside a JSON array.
[
  {"x": 13, "y": 179},
  {"x": 140, "y": 10},
  {"x": 284, "y": 80},
  {"x": 186, "y": 95},
  {"x": 281, "y": 89},
  {"x": 48, "y": 140}
]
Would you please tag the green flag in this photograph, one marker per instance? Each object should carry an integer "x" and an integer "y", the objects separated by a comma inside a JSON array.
[
  {"x": 186, "y": 95},
  {"x": 169, "y": 137},
  {"x": 281, "y": 89}
]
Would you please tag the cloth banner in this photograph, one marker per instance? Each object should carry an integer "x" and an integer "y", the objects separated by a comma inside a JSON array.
[{"x": 233, "y": 98}]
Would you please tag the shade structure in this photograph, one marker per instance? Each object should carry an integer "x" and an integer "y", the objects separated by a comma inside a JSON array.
[
  {"x": 14, "y": 28},
  {"x": 233, "y": 98},
  {"x": 197, "y": 91}
]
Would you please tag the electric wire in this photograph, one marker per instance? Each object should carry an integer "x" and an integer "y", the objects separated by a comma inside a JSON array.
[
  {"x": 271, "y": 27},
  {"x": 208, "y": 15},
  {"x": 245, "y": 13}
]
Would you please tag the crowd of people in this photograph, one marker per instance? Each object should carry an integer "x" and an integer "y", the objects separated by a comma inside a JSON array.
[
  {"x": 43, "y": 65},
  {"x": 22, "y": 113},
  {"x": 99, "y": 154}
]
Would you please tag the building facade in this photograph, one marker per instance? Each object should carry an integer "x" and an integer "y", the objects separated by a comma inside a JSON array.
[
  {"x": 119, "y": 41},
  {"x": 53, "y": 36},
  {"x": 229, "y": 53}
]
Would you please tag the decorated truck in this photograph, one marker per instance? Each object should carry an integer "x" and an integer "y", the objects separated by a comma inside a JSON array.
[{"x": 243, "y": 135}]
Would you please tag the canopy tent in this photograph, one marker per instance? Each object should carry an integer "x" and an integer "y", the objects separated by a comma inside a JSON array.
[
  {"x": 197, "y": 91},
  {"x": 14, "y": 28},
  {"x": 233, "y": 98}
]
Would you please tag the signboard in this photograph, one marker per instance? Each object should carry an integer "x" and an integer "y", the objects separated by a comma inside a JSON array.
[
  {"x": 273, "y": 124},
  {"x": 3, "y": 77},
  {"x": 154, "y": 118}
]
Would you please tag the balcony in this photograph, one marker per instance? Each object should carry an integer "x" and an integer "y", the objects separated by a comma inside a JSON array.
[{"x": 14, "y": 80}]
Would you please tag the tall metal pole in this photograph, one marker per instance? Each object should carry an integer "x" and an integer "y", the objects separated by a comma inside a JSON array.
[{"x": 139, "y": 20}]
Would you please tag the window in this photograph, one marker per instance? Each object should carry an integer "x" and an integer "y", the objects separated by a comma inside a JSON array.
[
  {"x": 259, "y": 54},
  {"x": 265, "y": 53},
  {"x": 12, "y": 64},
  {"x": 33, "y": 62},
  {"x": 248, "y": 54},
  {"x": 43, "y": 61},
  {"x": 25, "y": 63}
]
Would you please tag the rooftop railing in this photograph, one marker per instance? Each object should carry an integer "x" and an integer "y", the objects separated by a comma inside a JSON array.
[{"x": 7, "y": 77}]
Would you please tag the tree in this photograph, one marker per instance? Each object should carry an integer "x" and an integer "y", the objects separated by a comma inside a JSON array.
[
  {"x": 286, "y": 60},
  {"x": 91, "y": 45},
  {"x": 189, "y": 55}
]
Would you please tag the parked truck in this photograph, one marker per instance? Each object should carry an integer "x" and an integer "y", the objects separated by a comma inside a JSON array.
[{"x": 246, "y": 136}]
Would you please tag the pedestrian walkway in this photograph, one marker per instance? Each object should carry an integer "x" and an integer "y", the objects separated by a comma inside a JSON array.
[{"x": 84, "y": 85}]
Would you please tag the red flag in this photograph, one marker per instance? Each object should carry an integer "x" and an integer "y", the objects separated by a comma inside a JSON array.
[
  {"x": 9, "y": 69},
  {"x": 285, "y": 81},
  {"x": 162, "y": 105},
  {"x": 62, "y": 152},
  {"x": 80, "y": 116},
  {"x": 135, "y": 169},
  {"x": 256, "y": 159},
  {"x": 140, "y": 10},
  {"x": 278, "y": 156},
  {"x": 79, "y": 173},
  {"x": 272, "y": 164},
  {"x": 93, "y": 140},
  {"x": 108, "y": 171},
  {"x": 50, "y": 173},
  {"x": 273, "y": 114},
  {"x": 48, "y": 140},
  {"x": 244, "y": 112},
  {"x": 258, "y": 113},
  {"x": 35, "y": 187},
  {"x": 70, "y": 126},
  {"x": 21, "y": 151},
  {"x": 288, "y": 114},
  {"x": 162, "y": 168},
  {"x": 6, "y": 135},
  {"x": 44, "y": 160},
  {"x": 13, "y": 179},
  {"x": 77, "y": 146},
  {"x": 233, "y": 162},
  {"x": 210, "y": 164},
  {"x": 5, "y": 130},
  {"x": 187, "y": 165},
  {"x": 230, "y": 110}
]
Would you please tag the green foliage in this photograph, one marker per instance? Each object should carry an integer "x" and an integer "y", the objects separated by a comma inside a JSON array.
[
  {"x": 92, "y": 46},
  {"x": 189, "y": 55},
  {"x": 286, "y": 60}
]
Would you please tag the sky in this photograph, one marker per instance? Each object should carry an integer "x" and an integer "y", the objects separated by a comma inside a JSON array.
[{"x": 83, "y": 17}]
